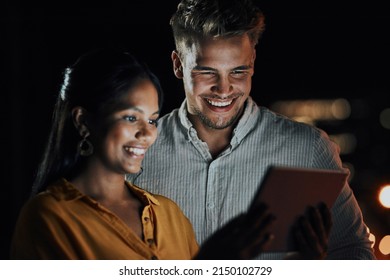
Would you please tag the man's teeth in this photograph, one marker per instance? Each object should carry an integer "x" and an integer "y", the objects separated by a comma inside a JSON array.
[
  {"x": 220, "y": 103},
  {"x": 136, "y": 151}
]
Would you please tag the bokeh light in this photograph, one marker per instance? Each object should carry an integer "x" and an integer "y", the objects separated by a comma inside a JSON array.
[
  {"x": 346, "y": 141},
  {"x": 313, "y": 110},
  {"x": 384, "y": 196},
  {"x": 371, "y": 237},
  {"x": 384, "y": 245},
  {"x": 384, "y": 118}
]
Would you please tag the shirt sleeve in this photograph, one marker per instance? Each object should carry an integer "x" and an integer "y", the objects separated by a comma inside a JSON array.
[
  {"x": 40, "y": 233},
  {"x": 349, "y": 236}
]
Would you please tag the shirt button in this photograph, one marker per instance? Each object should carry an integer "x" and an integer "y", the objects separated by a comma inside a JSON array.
[
  {"x": 210, "y": 205},
  {"x": 154, "y": 258}
]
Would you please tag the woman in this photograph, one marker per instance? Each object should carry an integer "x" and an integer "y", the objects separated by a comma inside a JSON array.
[{"x": 104, "y": 121}]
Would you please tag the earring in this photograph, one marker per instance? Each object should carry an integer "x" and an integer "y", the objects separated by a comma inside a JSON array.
[{"x": 85, "y": 147}]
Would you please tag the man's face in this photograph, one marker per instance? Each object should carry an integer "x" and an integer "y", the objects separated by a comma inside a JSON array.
[{"x": 217, "y": 76}]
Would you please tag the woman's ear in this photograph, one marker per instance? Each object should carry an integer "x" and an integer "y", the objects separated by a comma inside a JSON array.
[
  {"x": 79, "y": 116},
  {"x": 177, "y": 66}
]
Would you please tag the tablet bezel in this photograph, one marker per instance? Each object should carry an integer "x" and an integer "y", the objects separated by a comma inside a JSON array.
[{"x": 282, "y": 191}]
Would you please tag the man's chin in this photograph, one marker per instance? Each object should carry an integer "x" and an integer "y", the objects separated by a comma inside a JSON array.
[{"x": 218, "y": 124}]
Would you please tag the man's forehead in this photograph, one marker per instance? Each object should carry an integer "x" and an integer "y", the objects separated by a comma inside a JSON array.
[{"x": 219, "y": 52}]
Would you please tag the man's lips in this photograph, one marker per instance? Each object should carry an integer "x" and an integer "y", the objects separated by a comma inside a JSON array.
[{"x": 220, "y": 105}]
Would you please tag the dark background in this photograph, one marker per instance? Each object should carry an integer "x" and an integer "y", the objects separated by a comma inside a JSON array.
[{"x": 311, "y": 49}]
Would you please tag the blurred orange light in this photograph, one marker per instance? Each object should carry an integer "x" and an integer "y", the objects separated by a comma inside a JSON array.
[
  {"x": 371, "y": 237},
  {"x": 384, "y": 245},
  {"x": 384, "y": 196},
  {"x": 312, "y": 110}
]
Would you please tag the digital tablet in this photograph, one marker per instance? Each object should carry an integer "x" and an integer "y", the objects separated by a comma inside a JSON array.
[{"x": 288, "y": 191}]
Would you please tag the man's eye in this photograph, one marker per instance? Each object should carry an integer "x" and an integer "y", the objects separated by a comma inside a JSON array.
[
  {"x": 130, "y": 118},
  {"x": 238, "y": 73},
  {"x": 203, "y": 72}
]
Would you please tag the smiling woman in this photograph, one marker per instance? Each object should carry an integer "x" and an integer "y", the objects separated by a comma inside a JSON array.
[
  {"x": 96, "y": 90},
  {"x": 104, "y": 122}
]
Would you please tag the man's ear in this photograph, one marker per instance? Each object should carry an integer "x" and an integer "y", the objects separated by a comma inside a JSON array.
[
  {"x": 177, "y": 66},
  {"x": 253, "y": 60},
  {"x": 79, "y": 116},
  {"x": 254, "y": 55}
]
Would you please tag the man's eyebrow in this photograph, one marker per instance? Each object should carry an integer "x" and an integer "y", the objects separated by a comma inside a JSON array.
[
  {"x": 205, "y": 68},
  {"x": 243, "y": 67}
]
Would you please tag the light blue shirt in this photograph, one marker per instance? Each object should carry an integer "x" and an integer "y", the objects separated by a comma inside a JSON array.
[{"x": 212, "y": 191}]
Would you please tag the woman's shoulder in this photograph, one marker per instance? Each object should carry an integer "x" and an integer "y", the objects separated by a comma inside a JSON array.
[
  {"x": 42, "y": 202},
  {"x": 48, "y": 201}
]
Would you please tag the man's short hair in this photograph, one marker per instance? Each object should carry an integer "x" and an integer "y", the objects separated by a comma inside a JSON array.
[{"x": 197, "y": 19}]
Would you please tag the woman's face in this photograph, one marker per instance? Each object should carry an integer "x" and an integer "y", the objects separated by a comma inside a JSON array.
[{"x": 124, "y": 137}]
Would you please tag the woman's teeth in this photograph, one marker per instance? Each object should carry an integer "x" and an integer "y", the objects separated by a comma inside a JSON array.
[{"x": 136, "y": 151}]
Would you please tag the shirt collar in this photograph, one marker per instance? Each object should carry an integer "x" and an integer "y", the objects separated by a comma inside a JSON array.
[
  {"x": 142, "y": 194},
  {"x": 183, "y": 115},
  {"x": 64, "y": 190},
  {"x": 246, "y": 123}
]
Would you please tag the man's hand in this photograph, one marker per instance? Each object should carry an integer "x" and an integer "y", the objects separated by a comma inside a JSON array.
[{"x": 311, "y": 232}]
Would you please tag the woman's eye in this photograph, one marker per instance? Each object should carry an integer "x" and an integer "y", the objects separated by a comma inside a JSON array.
[
  {"x": 153, "y": 122},
  {"x": 130, "y": 118}
]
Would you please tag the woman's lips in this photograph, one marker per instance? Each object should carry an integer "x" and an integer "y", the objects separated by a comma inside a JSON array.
[{"x": 135, "y": 151}]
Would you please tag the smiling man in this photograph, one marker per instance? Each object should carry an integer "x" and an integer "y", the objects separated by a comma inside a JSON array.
[
  {"x": 212, "y": 153},
  {"x": 217, "y": 77}
]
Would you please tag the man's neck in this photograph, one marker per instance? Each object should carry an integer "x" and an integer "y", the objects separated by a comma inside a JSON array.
[{"x": 217, "y": 139}]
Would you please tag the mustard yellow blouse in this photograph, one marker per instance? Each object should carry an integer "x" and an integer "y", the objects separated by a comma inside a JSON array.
[{"x": 63, "y": 223}]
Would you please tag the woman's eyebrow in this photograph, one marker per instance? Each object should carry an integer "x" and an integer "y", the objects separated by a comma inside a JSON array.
[{"x": 135, "y": 108}]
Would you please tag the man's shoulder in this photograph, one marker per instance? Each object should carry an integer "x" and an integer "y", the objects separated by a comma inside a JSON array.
[
  {"x": 169, "y": 118},
  {"x": 276, "y": 118},
  {"x": 277, "y": 124}
]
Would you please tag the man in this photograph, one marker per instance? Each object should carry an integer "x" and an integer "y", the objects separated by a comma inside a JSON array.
[{"x": 212, "y": 153}]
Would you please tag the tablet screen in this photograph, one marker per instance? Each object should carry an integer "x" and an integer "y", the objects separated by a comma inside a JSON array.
[{"x": 288, "y": 191}]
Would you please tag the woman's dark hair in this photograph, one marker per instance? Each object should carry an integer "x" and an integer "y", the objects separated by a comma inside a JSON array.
[{"x": 96, "y": 82}]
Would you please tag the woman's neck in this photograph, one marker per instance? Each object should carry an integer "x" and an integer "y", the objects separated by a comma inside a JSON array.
[
  {"x": 109, "y": 190},
  {"x": 100, "y": 184}
]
